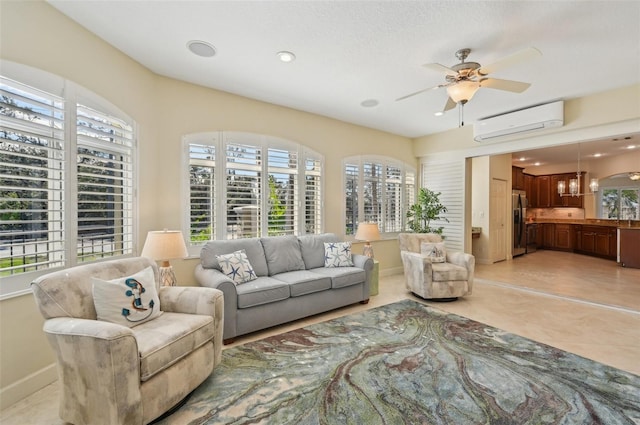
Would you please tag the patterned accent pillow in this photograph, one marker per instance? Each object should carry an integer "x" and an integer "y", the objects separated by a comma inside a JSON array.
[
  {"x": 337, "y": 254},
  {"x": 435, "y": 251},
  {"x": 236, "y": 265},
  {"x": 127, "y": 301}
]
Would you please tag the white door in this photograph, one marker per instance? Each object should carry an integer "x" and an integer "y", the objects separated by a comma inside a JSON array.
[{"x": 498, "y": 220}]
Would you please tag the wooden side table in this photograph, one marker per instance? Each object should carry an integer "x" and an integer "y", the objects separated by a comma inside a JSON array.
[{"x": 373, "y": 288}]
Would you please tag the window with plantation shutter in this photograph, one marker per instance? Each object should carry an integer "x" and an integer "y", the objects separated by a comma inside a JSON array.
[
  {"x": 270, "y": 187},
  {"x": 66, "y": 177},
  {"x": 104, "y": 185},
  {"x": 32, "y": 152},
  {"x": 202, "y": 190},
  {"x": 378, "y": 190}
]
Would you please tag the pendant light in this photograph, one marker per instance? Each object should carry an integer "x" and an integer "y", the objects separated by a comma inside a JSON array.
[{"x": 574, "y": 184}]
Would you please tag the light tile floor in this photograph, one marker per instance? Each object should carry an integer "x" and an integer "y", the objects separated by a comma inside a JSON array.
[{"x": 584, "y": 305}]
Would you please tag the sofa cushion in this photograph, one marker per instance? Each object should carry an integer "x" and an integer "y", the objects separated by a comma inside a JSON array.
[
  {"x": 337, "y": 254},
  {"x": 263, "y": 290},
  {"x": 342, "y": 276},
  {"x": 282, "y": 254},
  {"x": 237, "y": 267},
  {"x": 446, "y": 271},
  {"x": 128, "y": 301},
  {"x": 168, "y": 338},
  {"x": 252, "y": 247},
  {"x": 436, "y": 251},
  {"x": 312, "y": 248},
  {"x": 302, "y": 282}
]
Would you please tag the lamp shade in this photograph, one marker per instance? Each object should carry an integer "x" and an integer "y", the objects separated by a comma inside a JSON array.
[
  {"x": 164, "y": 245},
  {"x": 367, "y": 232}
]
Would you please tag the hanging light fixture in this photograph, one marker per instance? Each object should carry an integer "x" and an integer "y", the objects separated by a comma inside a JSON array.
[
  {"x": 574, "y": 184},
  {"x": 635, "y": 176}
]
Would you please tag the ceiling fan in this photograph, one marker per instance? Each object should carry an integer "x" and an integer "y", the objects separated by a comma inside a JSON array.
[{"x": 465, "y": 78}]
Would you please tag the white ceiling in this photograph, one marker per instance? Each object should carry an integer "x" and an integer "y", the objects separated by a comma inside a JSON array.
[{"x": 351, "y": 51}]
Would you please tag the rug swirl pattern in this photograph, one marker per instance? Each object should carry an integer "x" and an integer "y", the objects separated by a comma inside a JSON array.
[{"x": 406, "y": 363}]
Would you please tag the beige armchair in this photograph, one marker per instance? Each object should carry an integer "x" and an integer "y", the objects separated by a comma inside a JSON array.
[
  {"x": 114, "y": 374},
  {"x": 440, "y": 281}
]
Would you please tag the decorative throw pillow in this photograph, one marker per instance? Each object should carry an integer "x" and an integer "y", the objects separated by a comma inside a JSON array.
[
  {"x": 337, "y": 254},
  {"x": 127, "y": 301},
  {"x": 236, "y": 265},
  {"x": 435, "y": 251}
]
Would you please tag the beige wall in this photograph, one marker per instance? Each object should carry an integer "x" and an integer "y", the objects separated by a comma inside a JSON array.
[{"x": 164, "y": 110}]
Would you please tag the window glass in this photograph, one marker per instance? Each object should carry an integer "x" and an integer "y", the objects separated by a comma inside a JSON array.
[{"x": 620, "y": 203}]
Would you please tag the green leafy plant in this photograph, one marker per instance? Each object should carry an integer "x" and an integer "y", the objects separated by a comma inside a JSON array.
[{"x": 427, "y": 208}]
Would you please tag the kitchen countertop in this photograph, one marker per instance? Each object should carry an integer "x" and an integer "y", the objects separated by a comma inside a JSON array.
[{"x": 621, "y": 224}]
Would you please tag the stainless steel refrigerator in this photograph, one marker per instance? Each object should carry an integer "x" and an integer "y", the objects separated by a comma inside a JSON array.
[{"x": 519, "y": 202}]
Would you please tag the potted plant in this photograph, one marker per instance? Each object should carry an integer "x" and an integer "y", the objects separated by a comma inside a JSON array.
[{"x": 427, "y": 208}]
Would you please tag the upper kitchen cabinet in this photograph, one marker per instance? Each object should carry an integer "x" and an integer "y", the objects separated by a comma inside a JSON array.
[
  {"x": 531, "y": 188},
  {"x": 543, "y": 184},
  {"x": 517, "y": 178}
]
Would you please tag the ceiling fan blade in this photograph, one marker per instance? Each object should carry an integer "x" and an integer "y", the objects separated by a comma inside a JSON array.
[
  {"x": 440, "y": 68},
  {"x": 418, "y": 92},
  {"x": 508, "y": 85},
  {"x": 449, "y": 105},
  {"x": 513, "y": 59}
]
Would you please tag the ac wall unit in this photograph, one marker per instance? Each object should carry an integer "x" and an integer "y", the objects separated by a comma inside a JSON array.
[{"x": 526, "y": 120}]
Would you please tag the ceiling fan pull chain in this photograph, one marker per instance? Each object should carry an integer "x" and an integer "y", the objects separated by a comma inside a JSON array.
[{"x": 461, "y": 119}]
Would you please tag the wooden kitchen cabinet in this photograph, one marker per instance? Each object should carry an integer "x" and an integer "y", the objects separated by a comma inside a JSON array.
[
  {"x": 548, "y": 235},
  {"x": 629, "y": 243},
  {"x": 517, "y": 178},
  {"x": 564, "y": 237},
  {"x": 532, "y": 190},
  {"x": 543, "y": 184},
  {"x": 600, "y": 241}
]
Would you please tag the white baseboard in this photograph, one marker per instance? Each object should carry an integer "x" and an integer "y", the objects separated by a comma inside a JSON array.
[
  {"x": 28, "y": 385},
  {"x": 391, "y": 271}
]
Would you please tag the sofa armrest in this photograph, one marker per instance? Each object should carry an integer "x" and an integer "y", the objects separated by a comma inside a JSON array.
[
  {"x": 100, "y": 362},
  {"x": 417, "y": 268},
  {"x": 194, "y": 300},
  {"x": 465, "y": 260},
  {"x": 363, "y": 262},
  {"x": 213, "y": 278}
]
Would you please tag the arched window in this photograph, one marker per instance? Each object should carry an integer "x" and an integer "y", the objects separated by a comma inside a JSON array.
[
  {"x": 66, "y": 176},
  {"x": 244, "y": 185}
]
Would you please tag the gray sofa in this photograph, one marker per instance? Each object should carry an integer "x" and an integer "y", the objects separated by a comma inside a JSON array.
[{"x": 291, "y": 282}]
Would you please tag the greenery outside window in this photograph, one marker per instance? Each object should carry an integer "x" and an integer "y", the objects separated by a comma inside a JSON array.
[
  {"x": 620, "y": 203},
  {"x": 244, "y": 185},
  {"x": 379, "y": 190},
  {"x": 66, "y": 178}
]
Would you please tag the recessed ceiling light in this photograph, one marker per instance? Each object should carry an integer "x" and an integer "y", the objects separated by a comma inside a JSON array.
[
  {"x": 369, "y": 103},
  {"x": 536, "y": 164},
  {"x": 439, "y": 114},
  {"x": 597, "y": 155},
  {"x": 631, "y": 147},
  {"x": 285, "y": 56},
  {"x": 201, "y": 48},
  {"x": 522, "y": 158}
]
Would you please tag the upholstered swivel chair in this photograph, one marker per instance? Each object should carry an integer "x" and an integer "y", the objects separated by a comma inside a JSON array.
[
  {"x": 115, "y": 374},
  {"x": 438, "y": 281}
]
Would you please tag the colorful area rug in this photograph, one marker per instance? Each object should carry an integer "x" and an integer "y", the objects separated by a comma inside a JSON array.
[{"x": 406, "y": 363}]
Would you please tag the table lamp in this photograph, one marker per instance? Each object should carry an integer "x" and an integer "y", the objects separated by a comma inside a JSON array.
[
  {"x": 367, "y": 232},
  {"x": 165, "y": 245}
]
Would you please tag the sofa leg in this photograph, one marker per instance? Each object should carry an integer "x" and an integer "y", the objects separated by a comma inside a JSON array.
[
  {"x": 365, "y": 301},
  {"x": 228, "y": 341}
]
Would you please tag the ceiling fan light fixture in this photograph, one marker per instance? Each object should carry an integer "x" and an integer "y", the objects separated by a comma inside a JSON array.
[{"x": 463, "y": 91}]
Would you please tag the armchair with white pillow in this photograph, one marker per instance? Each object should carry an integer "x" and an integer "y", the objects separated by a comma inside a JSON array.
[
  {"x": 433, "y": 273},
  {"x": 127, "y": 350}
]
